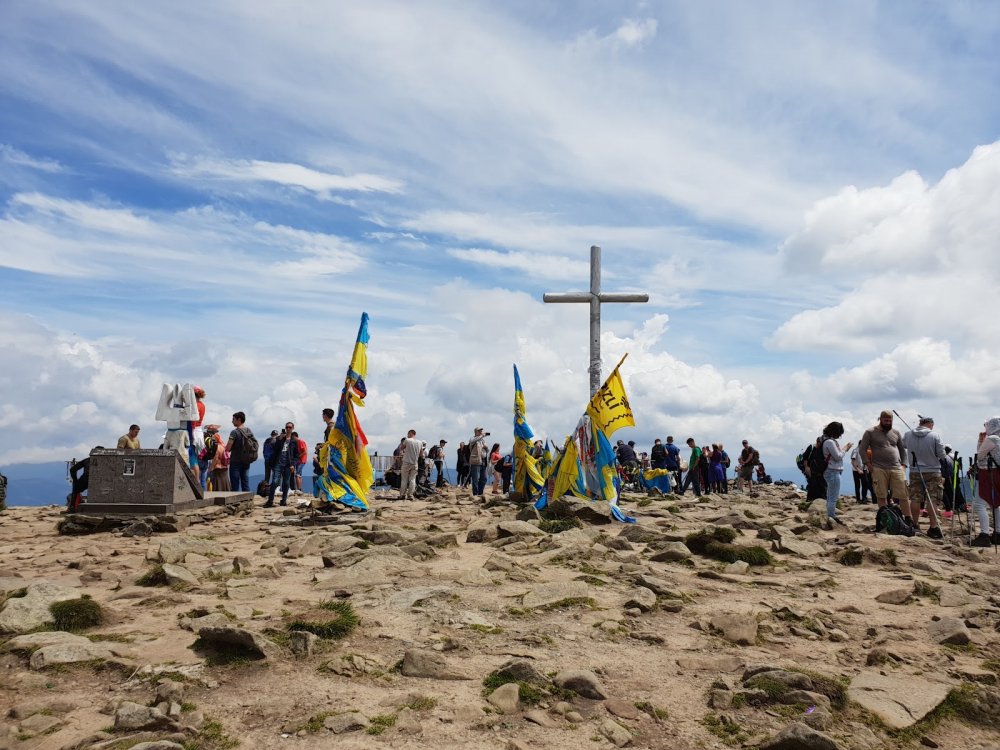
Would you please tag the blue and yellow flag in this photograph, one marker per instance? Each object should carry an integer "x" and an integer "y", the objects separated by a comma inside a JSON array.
[
  {"x": 588, "y": 460},
  {"x": 347, "y": 469},
  {"x": 527, "y": 477}
]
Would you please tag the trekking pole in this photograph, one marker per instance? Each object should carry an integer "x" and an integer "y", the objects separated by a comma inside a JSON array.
[
  {"x": 990, "y": 466},
  {"x": 923, "y": 484},
  {"x": 958, "y": 473}
]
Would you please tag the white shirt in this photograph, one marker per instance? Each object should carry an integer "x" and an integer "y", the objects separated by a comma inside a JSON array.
[{"x": 411, "y": 451}]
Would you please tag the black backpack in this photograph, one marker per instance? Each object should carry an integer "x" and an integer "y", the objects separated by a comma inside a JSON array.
[
  {"x": 817, "y": 461},
  {"x": 890, "y": 520},
  {"x": 248, "y": 449}
]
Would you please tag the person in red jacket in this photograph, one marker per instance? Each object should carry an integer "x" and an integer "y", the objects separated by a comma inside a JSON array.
[{"x": 303, "y": 457}]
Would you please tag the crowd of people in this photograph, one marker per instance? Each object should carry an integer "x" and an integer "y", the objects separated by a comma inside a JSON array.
[
  {"x": 913, "y": 475},
  {"x": 910, "y": 476},
  {"x": 705, "y": 469}
]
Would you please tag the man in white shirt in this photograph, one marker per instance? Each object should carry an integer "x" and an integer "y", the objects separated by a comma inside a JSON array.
[{"x": 408, "y": 470}]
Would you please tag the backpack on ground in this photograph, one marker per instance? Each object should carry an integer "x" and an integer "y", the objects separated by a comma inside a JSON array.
[
  {"x": 890, "y": 520},
  {"x": 248, "y": 449}
]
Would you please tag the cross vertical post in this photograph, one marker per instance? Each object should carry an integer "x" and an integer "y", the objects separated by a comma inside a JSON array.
[{"x": 595, "y": 297}]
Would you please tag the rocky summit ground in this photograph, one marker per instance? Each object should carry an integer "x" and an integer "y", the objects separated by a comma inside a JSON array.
[{"x": 457, "y": 623}]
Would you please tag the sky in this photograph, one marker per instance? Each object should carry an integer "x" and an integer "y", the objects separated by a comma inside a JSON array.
[{"x": 213, "y": 192}]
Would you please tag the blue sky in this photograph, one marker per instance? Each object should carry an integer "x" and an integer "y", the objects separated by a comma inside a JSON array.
[{"x": 213, "y": 192}]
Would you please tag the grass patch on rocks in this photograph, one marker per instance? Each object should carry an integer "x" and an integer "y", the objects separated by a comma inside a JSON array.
[
  {"x": 155, "y": 576},
  {"x": 725, "y": 729},
  {"x": 558, "y": 525},
  {"x": 211, "y": 736},
  {"x": 381, "y": 722},
  {"x": 851, "y": 557},
  {"x": 717, "y": 543},
  {"x": 74, "y": 615},
  {"x": 331, "y": 620}
]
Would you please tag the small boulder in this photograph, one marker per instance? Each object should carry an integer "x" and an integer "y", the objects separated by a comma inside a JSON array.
[
  {"x": 799, "y": 736},
  {"x": 738, "y": 629},
  {"x": 895, "y": 596},
  {"x": 506, "y": 698},
  {"x": 178, "y": 575},
  {"x": 616, "y": 733},
  {"x": 642, "y": 599},
  {"x": 351, "y": 721},
  {"x": 130, "y": 717},
  {"x": 951, "y": 631},
  {"x": 671, "y": 552},
  {"x": 430, "y": 665},
  {"x": 582, "y": 682}
]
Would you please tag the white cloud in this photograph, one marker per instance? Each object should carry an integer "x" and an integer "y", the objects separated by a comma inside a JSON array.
[
  {"x": 536, "y": 265},
  {"x": 14, "y": 157},
  {"x": 633, "y": 32},
  {"x": 291, "y": 175}
]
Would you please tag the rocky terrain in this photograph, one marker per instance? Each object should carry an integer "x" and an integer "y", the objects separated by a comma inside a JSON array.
[{"x": 450, "y": 623}]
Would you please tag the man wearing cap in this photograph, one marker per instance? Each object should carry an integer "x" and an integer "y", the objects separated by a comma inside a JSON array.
[
  {"x": 478, "y": 453},
  {"x": 926, "y": 483},
  {"x": 887, "y": 461}
]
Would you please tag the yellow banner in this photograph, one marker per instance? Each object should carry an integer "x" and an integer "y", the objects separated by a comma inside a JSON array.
[{"x": 609, "y": 409}]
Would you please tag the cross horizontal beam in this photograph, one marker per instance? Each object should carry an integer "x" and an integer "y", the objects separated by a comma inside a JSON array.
[{"x": 587, "y": 297}]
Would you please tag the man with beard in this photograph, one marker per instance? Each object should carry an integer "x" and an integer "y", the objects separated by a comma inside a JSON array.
[{"x": 887, "y": 463}]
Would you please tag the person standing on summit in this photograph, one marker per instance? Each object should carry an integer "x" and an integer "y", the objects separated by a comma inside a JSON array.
[
  {"x": 926, "y": 483},
  {"x": 887, "y": 462}
]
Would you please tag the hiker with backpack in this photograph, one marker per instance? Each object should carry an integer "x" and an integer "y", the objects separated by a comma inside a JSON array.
[
  {"x": 813, "y": 466},
  {"x": 986, "y": 502},
  {"x": 926, "y": 483},
  {"x": 833, "y": 461},
  {"x": 749, "y": 458},
  {"x": 887, "y": 460},
  {"x": 243, "y": 450}
]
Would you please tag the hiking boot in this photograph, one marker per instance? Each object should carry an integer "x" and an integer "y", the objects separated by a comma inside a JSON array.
[
  {"x": 934, "y": 532},
  {"x": 838, "y": 521},
  {"x": 267, "y": 505},
  {"x": 947, "y": 514},
  {"x": 996, "y": 538},
  {"x": 983, "y": 540}
]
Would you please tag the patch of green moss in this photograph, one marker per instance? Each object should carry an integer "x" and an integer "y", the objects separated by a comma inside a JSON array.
[
  {"x": 571, "y": 601},
  {"x": 211, "y": 736},
  {"x": 422, "y": 703},
  {"x": 155, "y": 576},
  {"x": 378, "y": 724},
  {"x": 723, "y": 728},
  {"x": 488, "y": 629},
  {"x": 558, "y": 525},
  {"x": 76, "y": 614},
  {"x": 342, "y": 621},
  {"x": 649, "y": 708},
  {"x": 851, "y": 557}
]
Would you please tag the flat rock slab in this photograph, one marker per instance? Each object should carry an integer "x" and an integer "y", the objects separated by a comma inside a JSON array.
[
  {"x": 952, "y": 595},
  {"x": 738, "y": 629},
  {"x": 798, "y": 547},
  {"x": 895, "y": 596},
  {"x": 711, "y": 663},
  {"x": 23, "y": 613},
  {"x": 430, "y": 665},
  {"x": 174, "y": 549},
  {"x": 899, "y": 700},
  {"x": 547, "y": 594},
  {"x": 949, "y": 630}
]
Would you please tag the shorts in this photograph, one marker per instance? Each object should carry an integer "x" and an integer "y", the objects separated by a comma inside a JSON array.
[
  {"x": 298, "y": 469},
  {"x": 746, "y": 473},
  {"x": 884, "y": 479},
  {"x": 934, "y": 483}
]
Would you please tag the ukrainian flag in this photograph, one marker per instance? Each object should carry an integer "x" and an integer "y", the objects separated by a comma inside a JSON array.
[
  {"x": 527, "y": 476},
  {"x": 347, "y": 473}
]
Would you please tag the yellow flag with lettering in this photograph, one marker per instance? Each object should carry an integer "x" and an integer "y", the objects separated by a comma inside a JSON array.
[{"x": 609, "y": 409}]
